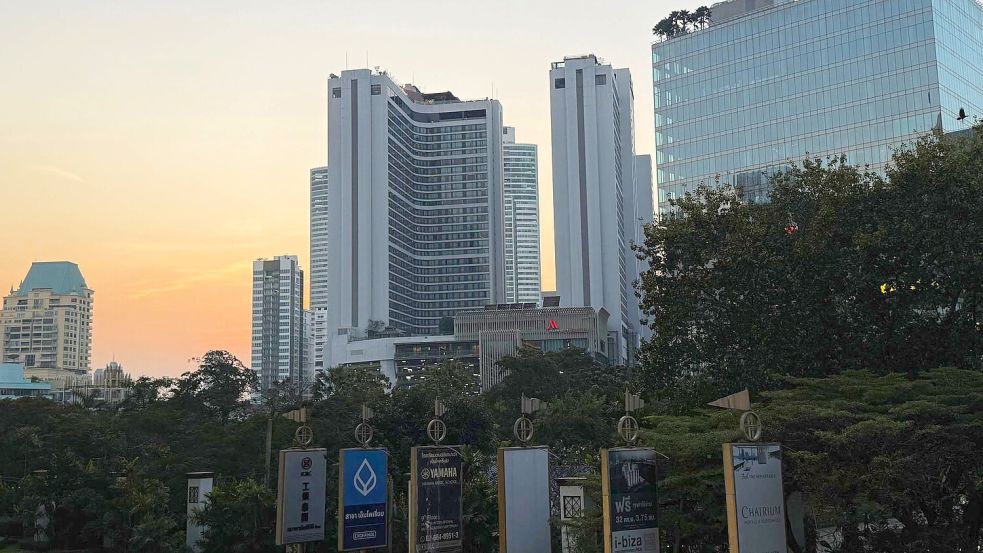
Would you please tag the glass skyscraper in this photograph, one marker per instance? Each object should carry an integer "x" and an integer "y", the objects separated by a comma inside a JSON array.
[{"x": 763, "y": 87}]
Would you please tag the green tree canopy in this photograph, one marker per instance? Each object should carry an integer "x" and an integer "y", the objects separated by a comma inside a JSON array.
[
  {"x": 220, "y": 386},
  {"x": 842, "y": 269}
]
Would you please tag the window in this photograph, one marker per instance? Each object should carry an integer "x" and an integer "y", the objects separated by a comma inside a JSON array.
[
  {"x": 600, "y": 79},
  {"x": 376, "y": 89},
  {"x": 559, "y": 83},
  {"x": 336, "y": 92}
]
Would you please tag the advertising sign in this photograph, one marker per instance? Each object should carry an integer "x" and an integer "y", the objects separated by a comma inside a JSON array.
[
  {"x": 523, "y": 500},
  {"x": 363, "y": 499},
  {"x": 628, "y": 486},
  {"x": 755, "y": 498},
  {"x": 435, "y": 499},
  {"x": 300, "y": 495}
]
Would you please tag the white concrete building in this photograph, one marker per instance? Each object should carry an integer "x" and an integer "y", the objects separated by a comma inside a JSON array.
[
  {"x": 278, "y": 321},
  {"x": 594, "y": 193},
  {"x": 319, "y": 263},
  {"x": 522, "y": 263},
  {"x": 307, "y": 361},
  {"x": 415, "y": 212},
  {"x": 319, "y": 238}
]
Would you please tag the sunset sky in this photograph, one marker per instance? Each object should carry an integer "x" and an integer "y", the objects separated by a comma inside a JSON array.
[{"x": 164, "y": 145}]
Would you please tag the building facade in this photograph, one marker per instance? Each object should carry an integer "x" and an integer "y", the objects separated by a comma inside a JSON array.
[
  {"x": 402, "y": 360},
  {"x": 594, "y": 192},
  {"x": 308, "y": 347},
  {"x": 480, "y": 339},
  {"x": 521, "y": 213},
  {"x": 415, "y": 212},
  {"x": 768, "y": 83},
  {"x": 501, "y": 330},
  {"x": 110, "y": 385},
  {"x": 46, "y": 324},
  {"x": 319, "y": 262},
  {"x": 278, "y": 321}
]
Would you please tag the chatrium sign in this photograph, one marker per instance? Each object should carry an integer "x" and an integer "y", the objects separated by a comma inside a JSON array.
[
  {"x": 363, "y": 499},
  {"x": 628, "y": 487},
  {"x": 755, "y": 498}
]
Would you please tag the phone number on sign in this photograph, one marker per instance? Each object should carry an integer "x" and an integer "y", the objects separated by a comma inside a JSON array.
[{"x": 442, "y": 537}]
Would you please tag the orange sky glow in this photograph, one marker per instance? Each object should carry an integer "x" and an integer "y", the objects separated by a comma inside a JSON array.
[{"x": 163, "y": 146}]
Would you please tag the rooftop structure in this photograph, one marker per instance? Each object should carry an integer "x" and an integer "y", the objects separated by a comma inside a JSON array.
[{"x": 61, "y": 277}]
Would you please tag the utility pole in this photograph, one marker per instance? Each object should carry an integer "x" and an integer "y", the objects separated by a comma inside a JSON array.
[{"x": 269, "y": 446}]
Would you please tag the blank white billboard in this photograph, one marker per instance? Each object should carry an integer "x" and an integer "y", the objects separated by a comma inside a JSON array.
[{"x": 524, "y": 500}]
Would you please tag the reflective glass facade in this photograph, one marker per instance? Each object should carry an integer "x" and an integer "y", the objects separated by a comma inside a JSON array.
[{"x": 746, "y": 97}]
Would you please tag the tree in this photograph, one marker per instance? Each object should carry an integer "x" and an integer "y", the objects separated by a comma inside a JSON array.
[
  {"x": 884, "y": 462},
  {"x": 220, "y": 385},
  {"x": 358, "y": 384},
  {"x": 834, "y": 273},
  {"x": 239, "y": 518},
  {"x": 146, "y": 391},
  {"x": 701, "y": 16},
  {"x": 137, "y": 517},
  {"x": 892, "y": 462}
]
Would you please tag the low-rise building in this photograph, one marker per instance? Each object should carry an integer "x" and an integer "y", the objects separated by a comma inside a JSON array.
[
  {"x": 402, "y": 359},
  {"x": 14, "y": 385},
  {"x": 480, "y": 340},
  {"x": 501, "y": 330}
]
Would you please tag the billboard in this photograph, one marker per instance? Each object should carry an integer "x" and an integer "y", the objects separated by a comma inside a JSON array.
[
  {"x": 300, "y": 495},
  {"x": 435, "y": 499},
  {"x": 363, "y": 499},
  {"x": 523, "y": 500},
  {"x": 628, "y": 487},
  {"x": 755, "y": 498}
]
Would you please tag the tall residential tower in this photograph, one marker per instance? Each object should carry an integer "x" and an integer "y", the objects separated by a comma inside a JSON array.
[
  {"x": 521, "y": 220},
  {"x": 415, "y": 212},
  {"x": 46, "y": 324},
  {"x": 278, "y": 321},
  {"x": 594, "y": 193},
  {"x": 319, "y": 237}
]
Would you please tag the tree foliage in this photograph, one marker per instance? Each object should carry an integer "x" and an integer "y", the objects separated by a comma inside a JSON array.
[
  {"x": 682, "y": 21},
  {"x": 842, "y": 269},
  {"x": 219, "y": 386}
]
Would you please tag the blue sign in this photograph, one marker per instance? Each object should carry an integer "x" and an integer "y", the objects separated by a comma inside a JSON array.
[{"x": 363, "y": 509}]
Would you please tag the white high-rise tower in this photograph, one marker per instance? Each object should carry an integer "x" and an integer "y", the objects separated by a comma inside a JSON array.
[
  {"x": 415, "y": 212},
  {"x": 521, "y": 220},
  {"x": 594, "y": 193},
  {"x": 319, "y": 265}
]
